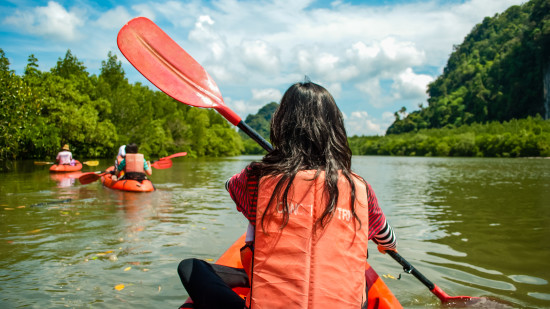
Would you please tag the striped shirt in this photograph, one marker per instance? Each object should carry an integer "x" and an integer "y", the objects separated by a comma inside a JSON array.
[{"x": 243, "y": 189}]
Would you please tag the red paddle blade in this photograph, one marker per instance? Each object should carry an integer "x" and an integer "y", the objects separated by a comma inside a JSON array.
[
  {"x": 87, "y": 178},
  {"x": 169, "y": 67},
  {"x": 179, "y": 154},
  {"x": 162, "y": 164},
  {"x": 455, "y": 301}
]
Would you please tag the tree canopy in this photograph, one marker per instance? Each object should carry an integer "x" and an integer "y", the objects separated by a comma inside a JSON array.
[{"x": 41, "y": 111}]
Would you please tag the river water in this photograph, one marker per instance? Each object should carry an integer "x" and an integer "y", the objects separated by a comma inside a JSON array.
[{"x": 473, "y": 226}]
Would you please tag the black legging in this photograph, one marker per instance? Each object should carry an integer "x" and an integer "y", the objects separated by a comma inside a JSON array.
[{"x": 209, "y": 285}]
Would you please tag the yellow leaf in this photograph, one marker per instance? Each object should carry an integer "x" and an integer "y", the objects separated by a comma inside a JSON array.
[
  {"x": 23, "y": 206},
  {"x": 145, "y": 269},
  {"x": 127, "y": 268},
  {"x": 210, "y": 260},
  {"x": 119, "y": 287},
  {"x": 8, "y": 208},
  {"x": 104, "y": 253}
]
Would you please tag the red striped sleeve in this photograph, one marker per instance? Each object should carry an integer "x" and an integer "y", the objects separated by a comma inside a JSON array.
[
  {"x": 377, "y": 218},
  {"x": 243, "y": 189}
]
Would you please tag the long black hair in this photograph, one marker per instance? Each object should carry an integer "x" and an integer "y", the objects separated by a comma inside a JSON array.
[{"x": 308, "y": 133}]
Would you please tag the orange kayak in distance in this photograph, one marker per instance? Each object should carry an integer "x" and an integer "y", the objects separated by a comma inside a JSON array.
[
  {"x": 129, "y": 185},
  {"x": 66, "y": 167}
]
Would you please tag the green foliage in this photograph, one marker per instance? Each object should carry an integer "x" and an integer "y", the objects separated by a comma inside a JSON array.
[
  {"x": 41, "y": 111},
  {"x": 19, "y": 109},
  {"x": 529, "y": 137},
  {"x": 496, "y": 74}
]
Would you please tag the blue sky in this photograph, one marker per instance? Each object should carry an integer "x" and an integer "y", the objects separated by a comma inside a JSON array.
[{"x": 373, "y": 56}]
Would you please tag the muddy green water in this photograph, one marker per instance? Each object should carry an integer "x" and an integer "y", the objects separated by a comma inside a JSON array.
[{"x": 473, "y": 226}]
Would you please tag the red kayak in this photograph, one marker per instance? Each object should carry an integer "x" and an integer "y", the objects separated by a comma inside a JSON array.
[
  {"x": 126, "y": 184},
  {"x": 379, "y": 296},
  {"x": 66, "y": 167}
]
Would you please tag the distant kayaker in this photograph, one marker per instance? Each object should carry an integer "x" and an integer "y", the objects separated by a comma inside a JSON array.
[
  {"x": 65, "y": 156},
  {"x": 310, "y": 218},
  {"x": 134, "y": 164}
]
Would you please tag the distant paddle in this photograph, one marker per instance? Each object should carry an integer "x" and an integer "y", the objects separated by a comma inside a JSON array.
[
  {"x": 179, "y": 154},
  {"x": 87, "y": 178},
  {"x": 162, "y": 164},
  {"x": 89, "y": 163}
]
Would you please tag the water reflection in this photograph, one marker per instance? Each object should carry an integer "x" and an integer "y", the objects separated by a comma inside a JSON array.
[{"x": 65, "y": 179}]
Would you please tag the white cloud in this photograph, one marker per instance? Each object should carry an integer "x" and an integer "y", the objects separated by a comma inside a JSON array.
[
  {"x": 52, "y": 21},
  {"x": 409, "y": 85},
  {"x": 264, "y": 96},
  {"x": 259, "y": 55},
  {"x": 114, "y": 19},
  {"x": 144, "y": 10},
  {"x": 360, "y": 123}
]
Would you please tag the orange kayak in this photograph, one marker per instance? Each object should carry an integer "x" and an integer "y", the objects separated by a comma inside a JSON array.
[
  {"x": 66, "y": 167},
  {"x": 126, "y": 184},
  {"x": 379, "y": 295}
]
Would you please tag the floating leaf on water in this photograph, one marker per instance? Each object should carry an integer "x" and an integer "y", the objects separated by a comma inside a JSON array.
[
  {"x": 145, "y": 269},
  {"x": 203, "y": 228},
  {"x": 160, "y": 288},
  {"x": 119, "y": 287},
  {"x": 34, "y": 231},
  {"x": 210, "y": 260},
  {"x": 8, "y": 208},
  {"x": 22, "y": 206},
  {"x": 105, "y": 253},
  {"x": 134, "y": 263},
  {"x": 113, "y": 257},
  {"x": 389, "y": 276},
  {"x": 127, "y": 268}
]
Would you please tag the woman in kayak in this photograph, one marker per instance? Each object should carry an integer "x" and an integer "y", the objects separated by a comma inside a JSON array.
[{"x": 310, "y": 217}]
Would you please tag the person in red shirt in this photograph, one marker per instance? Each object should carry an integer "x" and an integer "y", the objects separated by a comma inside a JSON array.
[{"x": 309, "y": 138}]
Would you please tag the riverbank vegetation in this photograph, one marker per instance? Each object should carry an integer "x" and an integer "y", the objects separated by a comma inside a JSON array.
[
  {"x": 529, "y": 137},
  {"x": 41, "y": 111}
]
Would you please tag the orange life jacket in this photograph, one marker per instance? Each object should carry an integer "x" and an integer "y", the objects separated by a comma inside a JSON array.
[
  {"x": 305, "y": 265},
  {"x": 134, "y": 163}
]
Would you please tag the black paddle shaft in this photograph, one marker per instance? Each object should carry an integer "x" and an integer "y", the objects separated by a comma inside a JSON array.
[
  {"x": 255, "y": 136},
  {"x": 408, "y": 268}
]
